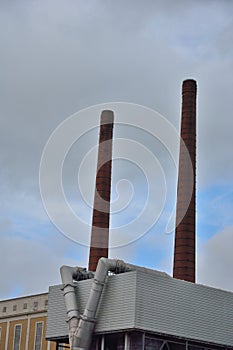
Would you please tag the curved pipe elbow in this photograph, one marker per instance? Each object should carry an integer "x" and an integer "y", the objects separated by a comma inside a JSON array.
[
  {"x": 104, "y": 265},
  {"x": 66, "y": 274},
  {"x": 113, "y": 265}
]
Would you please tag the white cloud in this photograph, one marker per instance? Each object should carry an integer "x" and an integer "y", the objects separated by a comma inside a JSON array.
[{"x": 215, "y": 260}]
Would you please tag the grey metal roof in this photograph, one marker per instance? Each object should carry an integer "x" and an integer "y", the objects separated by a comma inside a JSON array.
[{"x": 152, "y": 302}]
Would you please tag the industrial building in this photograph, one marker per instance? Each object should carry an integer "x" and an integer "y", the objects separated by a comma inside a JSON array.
[
  {"x": 116, "y": 305},
  {"x": 147, "y": 309},
  {"x": 23, "y": 323}
]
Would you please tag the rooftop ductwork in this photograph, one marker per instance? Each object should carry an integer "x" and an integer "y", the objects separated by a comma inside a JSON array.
[
  {"x": 81, "y": 327},
  {"x": 68, "y": 275}
]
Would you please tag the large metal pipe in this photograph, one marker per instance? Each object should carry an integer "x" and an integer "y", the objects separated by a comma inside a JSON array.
[
  {"x": 84, "y": 332},
  {"x": 68, "y": 275},
  {"x": 185, "y": 236},
  {"x": 101, "y": 211}
]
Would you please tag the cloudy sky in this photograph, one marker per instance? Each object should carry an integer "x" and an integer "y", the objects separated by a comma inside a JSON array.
[{"x": 59, "y": 57}]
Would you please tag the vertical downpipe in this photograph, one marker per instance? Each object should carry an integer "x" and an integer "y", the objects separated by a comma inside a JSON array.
[
  {"x": 101, "y": 211},
  {"x": 185, "y": 236}
]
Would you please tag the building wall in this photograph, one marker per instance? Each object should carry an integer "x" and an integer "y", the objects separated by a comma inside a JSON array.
[
  {"x": 152, "y": 302},
  {"x": 29, "y": 315},
  {"x": 3, "y": 328}
]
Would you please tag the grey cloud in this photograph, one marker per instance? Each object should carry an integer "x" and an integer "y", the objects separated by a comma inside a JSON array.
[
  {"x": 32, "y": 264},
  {"x": 59, "y": 58}
]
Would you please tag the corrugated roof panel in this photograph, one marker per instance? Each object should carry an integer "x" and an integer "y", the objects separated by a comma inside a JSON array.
[
  {"x": 56, "y": 326},
  {"x": 118, "y": 303},
  {"x": 182, "y": 309}
]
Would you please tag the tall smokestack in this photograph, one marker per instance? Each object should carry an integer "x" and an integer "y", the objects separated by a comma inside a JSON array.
[
  {"x": 101, "y": 211},
  {"x": 185, "y": 236}
]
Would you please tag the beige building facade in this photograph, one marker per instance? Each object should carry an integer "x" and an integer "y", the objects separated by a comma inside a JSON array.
[{"x": 23, "y": 323}]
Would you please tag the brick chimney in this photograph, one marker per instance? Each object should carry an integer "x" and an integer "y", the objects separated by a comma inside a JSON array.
[
  {"x": 185, "y": 235},
  {"x": 101, "y": 211}
]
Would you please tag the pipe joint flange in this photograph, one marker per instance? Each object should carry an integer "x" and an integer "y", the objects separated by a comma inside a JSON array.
[
  {"x": 71, "y": 284},
  {"x": 87, "y": 319},
  {"x": 98, "y": 282},
  {"x": 70, "y": 318}
]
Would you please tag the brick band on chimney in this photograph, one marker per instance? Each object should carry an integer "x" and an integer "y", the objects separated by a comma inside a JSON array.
[
  {"x": 185, "y": 236},
  {"x": 101, "y": 211}
]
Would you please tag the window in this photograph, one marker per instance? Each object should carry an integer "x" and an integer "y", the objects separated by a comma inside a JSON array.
[
  {"x": 25, "y": 305},
  {"x": 136, "y": 341},
  {"x": 14, "y": 307},
  {"x": 0, "y": 333},
  {"x": 4, "y": 309},
  {"x": 114, "y": 341},
  {"x": 46, "y": 303},
  {"x": 17, "y": 337},
  {"x": 153, "y": 344},
  {"x": 35, "y": 305},
  {"x": 38, "y": 336},
  {"x": 177, "y": 346}
]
